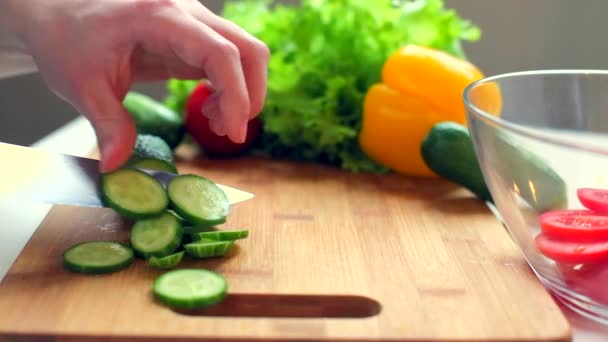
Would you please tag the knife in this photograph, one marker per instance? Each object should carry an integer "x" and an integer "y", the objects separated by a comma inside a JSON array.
[{"x": 39, "y": 176}]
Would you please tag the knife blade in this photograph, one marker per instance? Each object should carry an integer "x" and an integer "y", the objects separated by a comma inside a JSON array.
[{"x": 40, "y": 176}]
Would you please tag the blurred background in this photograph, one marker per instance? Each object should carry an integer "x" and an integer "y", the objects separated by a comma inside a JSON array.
[{"x": 517, "y": 35}]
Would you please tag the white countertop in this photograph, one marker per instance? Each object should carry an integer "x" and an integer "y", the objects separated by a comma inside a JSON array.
[{"x": 77, "y": 138}]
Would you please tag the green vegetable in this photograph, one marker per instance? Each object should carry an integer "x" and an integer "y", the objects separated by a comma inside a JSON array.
[
  {"x": 325, "y": 54},
  {"x": 221, "y": 235},
  {"x": 154, "y": 118},
  {"x": 96, "y": 257},
  {"x": 190, "y": 288},
  {"x": 153, "y": 153},
  {"x": 448, "y": 151},
  {"x": 166, "y": 262},
  {"x": 198, "y": 200},
  {"x": 530, "y": 176},
  {"x": 133, "y": 193},
  {"x": 158, "y": 236},
  {"x": 208, "y": 248}
]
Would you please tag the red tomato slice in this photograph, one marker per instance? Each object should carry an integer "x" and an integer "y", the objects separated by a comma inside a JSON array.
[
  {"x": 575, "y": 225},
  {"x": 572, "y": 252},
  {"x": 594, "y": 199}
]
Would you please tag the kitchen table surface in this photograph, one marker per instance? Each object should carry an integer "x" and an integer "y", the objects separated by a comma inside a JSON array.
[{"x": 20, "y": 220}]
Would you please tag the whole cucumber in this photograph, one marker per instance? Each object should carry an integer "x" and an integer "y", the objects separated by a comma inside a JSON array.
[{"x": 448, "y": 151}]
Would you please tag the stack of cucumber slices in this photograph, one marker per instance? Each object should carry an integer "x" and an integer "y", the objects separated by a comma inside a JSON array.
[{"x": 170, "y": 223}]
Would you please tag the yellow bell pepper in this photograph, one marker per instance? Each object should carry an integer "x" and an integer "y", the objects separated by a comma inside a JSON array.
[{"x": 420, "y": 87}]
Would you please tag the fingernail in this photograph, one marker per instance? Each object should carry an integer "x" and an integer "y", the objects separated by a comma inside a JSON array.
[
  {"x": 211, "y": 108},
  {"x": 243, "y": 132}
]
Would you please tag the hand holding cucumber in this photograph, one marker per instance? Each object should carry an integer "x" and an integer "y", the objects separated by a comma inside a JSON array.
[{"x": 90, "y": 52}]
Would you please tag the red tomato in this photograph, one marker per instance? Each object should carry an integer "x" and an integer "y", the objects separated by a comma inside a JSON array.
[
  {"x": 572, "y": 252},
  {"x": 594, "y": 199},
  {"x": 212, "y": 144},
  {"x": 574, "y": 225}
]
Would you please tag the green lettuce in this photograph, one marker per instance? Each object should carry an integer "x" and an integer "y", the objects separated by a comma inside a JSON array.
[{"x": 325, "y": 56}]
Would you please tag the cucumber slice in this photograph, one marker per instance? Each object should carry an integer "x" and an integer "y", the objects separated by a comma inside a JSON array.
[
  {"x": 221, "y": 235},
  {"x": 96, "y": 257},
  {"x": 190, "y": 288},
  {"x": 166, "y": 262},
  {"x": 133, "y": 193},
  {"x": 155, "y": 164},
  {"x": 158, "y": 236},
  {"x": 198, "y": 200},
  {"x": 197, "y": 229},
  {"x": 208, "y": 248}
]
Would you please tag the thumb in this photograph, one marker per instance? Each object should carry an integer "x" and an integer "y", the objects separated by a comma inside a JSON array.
[{"x": 115, "y": 130}]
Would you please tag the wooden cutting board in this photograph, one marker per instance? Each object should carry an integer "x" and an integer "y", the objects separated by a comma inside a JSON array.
[{"x": 331, "y": 256}]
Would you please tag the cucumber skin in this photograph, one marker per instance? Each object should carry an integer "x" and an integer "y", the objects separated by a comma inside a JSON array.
[
  {"x": 170, "y": 249},
  {"x": 101, "y": 270},
  {"x": 151, "y": 147},
  {"x": 192, "y": 219},
  {"x": 154, "y": 118},
  {"x": 106, "y": 201},
  {"x": 448, "y": 151},
  {"x": 221, "y": 235}
]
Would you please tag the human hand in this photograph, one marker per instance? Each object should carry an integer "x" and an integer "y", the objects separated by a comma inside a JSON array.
[{"x": 90, "y": 52}]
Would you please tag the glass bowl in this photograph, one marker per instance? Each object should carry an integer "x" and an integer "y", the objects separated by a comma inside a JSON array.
[{"x": 541, "y": 138}]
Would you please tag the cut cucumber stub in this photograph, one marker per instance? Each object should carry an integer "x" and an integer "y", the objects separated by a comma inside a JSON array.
[
  {"x": 208, "y": 248},
  {"x": 190, "y": 288},
  {"x": 157, "y": 236},
  {"x": 198, "y": 200},
  {"x": 96, "y": 257},
  {"x": 166, "y": 262},
  {"x": 133, "y": 193},
  {"x": 221, "y": 235}
]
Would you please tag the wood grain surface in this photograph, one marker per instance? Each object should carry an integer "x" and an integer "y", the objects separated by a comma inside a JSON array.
[{"x": 331, "y": 256}]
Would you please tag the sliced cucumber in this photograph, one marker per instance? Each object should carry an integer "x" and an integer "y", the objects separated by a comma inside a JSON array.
[
  {"x": 154, "y": 164},
  {"x": 133, "y": 193},
  {"x": 96, "y": 257},
  {"x": 198, "y": 200},
  {"x": 190, "y": 288},
  {"x": 208, "y": 248},
  {"x": 221, "y": 235},
  {"x": 166, "y": 262},
  {"x": 158, "y": 236},
  {"x": 197, "y": 229}
]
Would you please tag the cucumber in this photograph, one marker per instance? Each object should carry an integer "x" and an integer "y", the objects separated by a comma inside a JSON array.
[
  {"x": 133, "y": 193},
  {"x": 208, "y": 248},
  {"x": 97, "y": 257},
  {"x": 166, "y": 262},
  {"x": 198, "y": 200},
  {"x": 448, "y": 150},
  {"x": 152, "y": 117},
  {"x": 153, "y": 153},
  {"x": 190, "y": 288},
  {"x": 197, "y": 229},
  {"x": 158, "y": 236},
  {"x": 221, "y": 235},
  {"x": 537, "y": 183}
]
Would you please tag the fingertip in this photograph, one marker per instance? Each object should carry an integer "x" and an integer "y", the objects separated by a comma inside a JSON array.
[{"x": 116, "y": 149}]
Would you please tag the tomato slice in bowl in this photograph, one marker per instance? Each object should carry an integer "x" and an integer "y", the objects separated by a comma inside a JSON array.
[
  {"x": 575, "y": 225},
  {"x": 572, "y": 252},
  {"x": 594, "y": 199}
]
